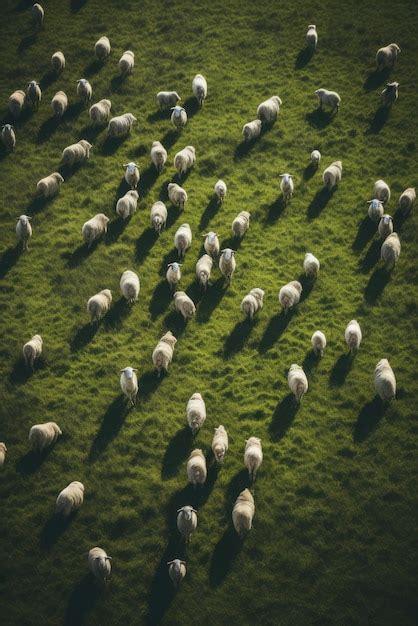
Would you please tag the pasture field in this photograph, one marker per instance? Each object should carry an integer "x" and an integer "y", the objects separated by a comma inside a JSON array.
[{"x": 334, "y": 539}]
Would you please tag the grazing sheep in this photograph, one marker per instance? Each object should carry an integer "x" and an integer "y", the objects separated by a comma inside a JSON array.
[
  {"x": 132, "y": 174},
  {"x": 99, "y": 564},
  {"x": 76, "y": 153},
  {"x": 185, "y": 159},
  {"x": 253, "y": 456},
  {"x": 297, "y": 381},
  {"x": 99, "y": 112},
  {"x": 385, "y": 227},
  {"x": 24, "y": 230},
  {"x": 99, "y": 304},
  {"x": 3, "y": 451},
  {"x": 178, "y": 117},
  {"x": 129, "y": 383},
  {"x": 211, "y": 244},
  {"x": 158, "y": 155},
  {"x": 286, "y": 186},
  {"x": 375, "y": 210},
  {"x": 252, "y": 302},
  {"x": 163, "y": 352},
  {"x": 177, "y": 195},
  {"x": 176, "y": 571},
  {"x": 312, "y": 36},
  {"x": 173, "y": 274},
  {"x": 33, "y": 94},
  {"x": 268, "y": 110},
  {"x": 127, "y": 62},
  {"x": 289, "y": 295},
  {"x": 70, "y": 499},
  {"x": 311, "y": 265},
  {"x": 251, "y": 130},
  {"x": 200, "y": 88},
  {"x": 158, "y": 216},
  {"x": 129, "y": 286},
  {"x": 385, "y": 381},
  {"x": 332, "y": 174},
  {"x": 84, "y": 90},
  {"x": 184, "y": 305},
  {"x": 243, "y": 513},
  {"x": 43, "y": 435},
  {"x": 17, "y": 102},
  {"x": 32, "y": 350},
  {"x": 227, "y": 263},
  {"x": 186, "y": 521},
  {"x": 8, "y": 136},
  {"x": 315, "y": 157},
  {"x": 196, "y": 468},
  {"x": 353, "y": 336},
  {"x": 195, "y": 412},
  {"x": 167, "y": 99},
  {"x": 381, "y": 191},
  {"x": 58, "y": 62},
  {"x": 38, "y": 14},
  {"x": 407, "y": 200},
  {"x": 94, "y": 228},
  {"x": 220, "y": 191},
  {"x": 121, "y": 125},
  {"x": 50, "y": 185},
  {"x": 328, "y": 98},
  {"x": 391, "y": 250},
  {"x": 220, "y": 444},
  {"x": 319, "y": 342},
  {"x": 59, "y": 104},
  {"x": 126, "y": 206},
  {"x": 203, "y": 270},
  {"x": 183, "y": 239},
  {"x": 389, "y": 95},
  {"x": 102, "y": 48},
  {"x": 386, "y": 57},
  {"x": 241, "y": 224}
]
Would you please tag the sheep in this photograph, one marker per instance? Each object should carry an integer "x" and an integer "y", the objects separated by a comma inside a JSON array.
[
  {"x": 196, "y": 468},
  {"x": 32, "y": 350},
  {"x": 375, "y": 210},
  {"x": 353, "y": 336},
  {"x": 76, "y": 153},
  {"x": 328, "y": 98},
  {"x": 59, "y": 104},
  {"x": 99, "y": 112},
  {"x": 289, "y": 295},
  {"x": 184, "y": 305},
  {"x": 177, "y": 195},
  {"x": 203, "y": 270},
  {"x": 297, "y": 381},
  {"x": 121, "y": 125},
  {"x": 315, "y": 158},
  {"x": 17, "y": 102},
  {"x": 158, "y": 215},
  {"x": 241, "y": 224},
  {"x": 220, "y": 190},
  {"x": 183, "y": 239},
  {"x": 176, "y": 571},
  {"x": 163, "y": 352},
  {"x": 33, "y": 94},
  {"x": 158, "y": 155},
  {"x": 312, "y": 37},
  {"x": 385, "y": 381},
  {"x": 381, "y": 191},
  {"x": 58, "y": 62},
  {"x": 211, "y": 244},
  {"x": 84, "y": 90},
  {"x": 385, "y": 227},
  {"x": 70, "y": 499},
  {"x": 268, "y": 110},
  {"x": 199, "y": 88},
  {"x": 99, "y": 564},
  {"x": 185, "y": 159},
  {"x": 94, "y": 228},
  {"x": 129, "y": 383},
  {"x": 386, "y": 57},
  {"x": 38, "y": 14},
  {"x": 178, "y": 117},
  {"x": 42, "y": 436},
  {"x": 126, "y": 206},
  {"x": 390, "y": 251},
  {"x": 195, "y": 412},
  {"x": 243, "y": 513},
  {"x": 186, "y": 521},
  {"x": 3, "y": 451},
  {"x": 220, "y": 444},
  {"x": 227, "y": 264},
  {"x": 253, "y": 456},
  {"x": 332, "y": 174},
  {"x": 99, "y": 304},
  {"x": 252, "y": 302},
  {"x": 8, "y": 136},
  {"x": 319, "y": 342},
  {"x": 407, "y": 200},
  {"x": 286, "y": 186},
  {"x": 311, "y": 265},
  {"x": 132, "y": 174},
  {"x": 167, "y": 99},
  {"x": 251, "y": 130},
  {"x": 127, "y": 62},
  {"x": 23, "y": 230},
  {"x": 129, "y": 286},
  {"x": 389, "y": 95},
  {"x": 102, "y": 48},
  {"x": 173, "y": 274}
]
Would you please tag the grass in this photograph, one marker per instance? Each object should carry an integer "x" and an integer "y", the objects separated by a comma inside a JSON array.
[{"x": 333, "y": 537}]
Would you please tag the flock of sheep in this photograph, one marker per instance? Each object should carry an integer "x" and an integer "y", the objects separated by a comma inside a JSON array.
[{"x": 42, "y": 436}]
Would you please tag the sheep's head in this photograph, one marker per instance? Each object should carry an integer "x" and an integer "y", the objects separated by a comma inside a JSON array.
[
  {"x": 129, "y": 372},
  {"x": 7, "y": 128},
  {"x": 24, "y": 219}
]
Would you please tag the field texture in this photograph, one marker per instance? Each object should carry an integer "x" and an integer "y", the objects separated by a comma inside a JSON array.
[{"x": 334, "y": 539}]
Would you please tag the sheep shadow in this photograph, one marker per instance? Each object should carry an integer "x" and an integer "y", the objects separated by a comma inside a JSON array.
[
  {"x": 180, "y": 178},
  {"x": 111, "y": 424},
  {"x": 67, "y": 171},
  {"x": 310, "y": 361},
  {"x": 27, "y": 42},
  {"x": 225, "y": 553},
  {"x": 308, "y": 283},
  {"x": 161, "y": 298},
  {"x": 319, "y": 202},
  {"x": 147, "y": 180},
  {"x": 238, "y": 483},
  {"x": 47, "y": 129},
  {"x": 92, "y": 68},
  {"x": 26, "y": 115},
  {"x": 171, "y": 256},
  {"x": 366, "y": 231},
  {"x": 53, "y": 529},
  {"x": 118, "y": 312},
  {"x": 378, "y": 121},
  {"x": 76, "y": 5},
  {"x": 21, "y": 374},
  {"x": 173, "y": 215},
  {"x": 275, "y": 210},
  {"x": 90, "y": 132},
  {"x": 158, "y": 116},
  {"x": 275, "y": 328},
  {"x": 84, "y": 335},
  {"x": 3, "y": 151},
  {"x": 80, "y": 254},
  {"x": 176, "y": 452},
  {"x": 236, "y": 340},
  {"x": 149, "y": 382},
  {"x": 37, "y": 204},
  {"x": 30, "y": 462},
  {"x": 82, "y": 600},
  {"x": 47, "y": 79},
  {"x": 376, "y": 78},
  {"x": 368, "y": 419},
  {"x": 115, "y": 229},
  {"x": 23, "y": 5},
  {"x": 341, "y": 369},
  {"x": 244, "y": 148},
  {"x": 399, "y": 219},
  {"x": 203, "y": 492},
  {"x": 162, "y": 590},
  {"x": 112, "y": 144},
  {"x": 283, "y": 417},
  {"x": 319, "y": 118},
  {"x": 309, "y": 171},
  {"x": 209, "y": 213},
  {"x": 210, "y": 300},
  {"x": 144, "y": 244},
  {"x": 9, "y": 258},
  {"x": 191, "y": 106},
  {"x": 175, "y": 322},
  {"x": 303, "y": 58},
  {"x": 372, "y": 256},
  {"x": 377, "y": 283},
  {"x": 169, "y": 139},
  {"x": 140, "y": 151},
  {"x": 163, "y": 194}
]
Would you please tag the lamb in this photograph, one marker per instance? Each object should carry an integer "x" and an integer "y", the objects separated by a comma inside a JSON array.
[
  {"x": 286, "y": 186},
  {"x": 121, "y": 125},
  {"x": 390, "y": 251},
  {"x": 76, "y": 153},
  {"x": 328, "y": 98},
  {"x": 32, "y": 350},
  {"x": 99, "y": 564},
  {"x": 241, "y": 224},
  {"x": 203, "y": 270},
  {"x": 385, "y": 227},
  {"x": 58, "y": 62},
  {"x": 158, "y": 155},
  {"x": 297, "y": 381},
  {"x": 24, "y": 230},
  {"x": 311, "y": 265},
  {"x": 253, "y": 456},
  {"x": 38, "y": 14},
  {"x": 184, "y": 305},
  {"x": 332, "y": 174},
  {"x": 389, "y": 95},
  {"x": 195, "y": 412},
  {"x": 132, "y": 174},
  {"x": 17, "y": 102},
  {"x": 315, "y": 157},
  {"x": 99, "y": 304},
  {"x": 102, "y": 48},
  {"x": 173, "y": 274},
  {"x": 178, "y": 117},
  {"x": 158, "y": 216},
  {"x": 196, "y": 468},
  {"x": 167, "y": 99},
  {"x": 220, "y": 444},
  {"x": 353, "y": 336},
  {"x": 252, "y": 302},
  {"x": 176, "y": 571},
  {"x": 319, "y": 342},
  {"x": 185, "y": 159},
  {"x": 227, "y": 263},
  {"x": 34, "y": 94},
  {"x": 3, "y": 451},
  {"x": 42, "y": 436},
  {"x": 70, "y": 499},
  {"x": 59, "y": 104},
  {"x": 200, "y": 88},
  {"x": 251, "y": 130},
  {"x": 127, "y": 62},
  {"x": 243, "y": 513},
  {"x": 268, "y": 110},
  {"x": 84, "y": 90},
  {"x": 211, "y": 244},
  {"x": 126, "y": 206},
  {"x": 129, "y": 383},
  {"x": 94, "y": 228},
  {"x": 99, "y": 112},
  {"x": 381, "y": 191},
  {"x": 220, "y": 191},
  {"x": 289, "y": 295},
  {"x": 407, "y": 200},
  {"x": 163, "y": 352},
  {"x": 385, "y": 381},
  {"x": 386, "y": 57},
  {"x": 129, "y": 286},
  {"x": 177, "y": 195},
  {"x": 186, "y": 521},
  {"x": 8, "y": 136},
  {"x": 375, "y": 210},
  {"x": 183, "y": 239},
  {"x": 312, "y": 37}
]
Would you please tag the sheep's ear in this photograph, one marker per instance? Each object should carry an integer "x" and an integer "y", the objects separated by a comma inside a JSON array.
[
  {"x": 108, "y": 558},
  {"x": 169, "y": 562},
  {"x": 369, "y": 201},
  {"x": 28, "y": 217},
  {"x": 194, "y": 510},
  {"x": 125, "y": 165}
]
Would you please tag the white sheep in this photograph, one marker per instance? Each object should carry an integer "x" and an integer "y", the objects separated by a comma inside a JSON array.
[
  {"x": 158, "y": 215},
  {"x": 76, "y": 152},
  {"x": 252, "y": 302},
  {"x": 121, "y": 125},
  {"x": 183, "y": 239},
  {"x": 220, "y": 190},
  {"x": 227, "y": 263},
  {"x": 127, "y": 62},
  {"x": 100, "y": 564},
  {"x": 251, "y": 130},
  {"x": 177, "y": 195},
  {"x": 315, "y": 157},
  {"x": 385, "y": 227},
  {"x": 385, "y": 381},
  {"x": 195, "y": 412},
  {"x": 17, "y": 102},
  {"x": 99, "y": 112},
  {"x": 129, "y": 285},
  {"x": 253, "y": 456},
  {"x": 185, "y": 159},
  {"x": 178, "y": 117},
  {"x": 44, "y": 435},
  {"x": 58, "y": 61},
  {"x": 196, "y": 468},
  {"x": 184, "y": 305},
  {"x": 243, "y": 513},
  {"x": 33, "y": 94},
  {"x": 102, "y": 48},
  {"x": 289, "y": 295},
  {"x": 38, "y": 15},
  {"x": 186, "y": 521},
  {"x": 24, "y": 230},
  {"x": 126, "y": 205},
  {"x": 8, "y": 136},
  {"x": 386, "y": 57},
  {"x": 70, "y": 499},
  {"x": 176, "y": 571},
  {"x": 203, "y": 270},
  {"x": 241, "y": 224},
  {"x": 200, "y": 88},
  {"x": 84, "y": 90},
  {"x": 328, "y": 98},
  {"x": 158, "y": 155},
  {"x": 268, "y": 110},
  {"x": 220, "y": 444},
  {"x": 391, "y": 250},
  {"x": 286, "y": 186},
  {"x": 167, "y": 99},
  {"x": 407, "y": 200},
  {"x": 312, "y": 36},
  {"x": 353, "y": 336},
  {"x": 59, "y": 104},
  {"x": 211, "y": 244},
  {"x": 132, "y": 174},
  {"x": 3, "y": 451},
  {"x": 173, "y": 274},
  {"x": 389, "y": 95},
  {"x": 99, "y": 304},
  {"x": 297, "y": 381},
  {"x": 319, "y": 342},
  {"x": 163, "y": 352},
  {"x": 94, "y": 228},
  {"x": 375, "y": 210},
  {"x": 129, "y": 383},
  {"x": 332, "y": 174},
  {"x": 381, "y": 191},
  {"x": 311, "y": 265},
  {"x": 32, "y": 350}
]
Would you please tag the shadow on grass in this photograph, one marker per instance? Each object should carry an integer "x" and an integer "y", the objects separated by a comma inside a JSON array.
[
  {"x": 82, "y": 601},
  {"x": 76, "y": 5},
  {"x": 162, "y": 590},
  {"x": 112, "y": 422},
  {"x": 9, "y": 258},
  {"x": 112, "y": 144},
  {"x": 310, "y": 361},
  {"x": 376, "y": 285},
  {"x": 47, "y": 79},
  {"x": 80, "y": 254},
  {"x": 399, "y": 219},
  {"x": 176, "y": 452},
  {"x": 73, "y": 111},
  {"x": 210, "y": 300},
  {"x": 115, "y": 229},
  {"x": 174, "y": 321},
  {"x": 149, "y": 382},
  {"x": 376, "y": 78},
  {"x": 147, "y": 180},
  {"x": 304, "y": 57},
  {"x": 67, "y": 171},
  {"x": 308, "y": 283},
  {"x": 366, "y": 231},
  {"x": 372, "y": 256},
  {"x": 47, "y": 129},
  {"x": 118, "y": 312},
  {"x": 319, "y": 118},
  {"x": 171, "y": 256},
  {"x": 244, "y": 148},
  {"x": 237, "y": 338},
  {"x": 275, "y": 328},
  {"x": 369, "y": 418},
  {"x": 27, "y": 42},
  {"x": 90, "y": 132},
  {"x": 320, "y": 201},
  {"x": 191, "y": 106},
  {"x": 21, "y": 374},
  {"x": 283, "y": 416},
  {"x": 161, "y": 299},
  {"x": 275, "y": 210},
  {"x": 209, "y": 213},
  {"x": 92, "y": 68},
  {"x": 341, "y": 369},
  {"x": 226, "y": 551},
  {"x": 23, "y": 5},
  {"x": 158, "y": 115},
  {"x": 169, "y": 139},
  {"x": 378, "y": 121},
  {"x": 309, "y": 171},
  {"x": 144, "y": 244},
  {"x": 32, "y": 461},
  {"x": 83, "y": 336},
  {"x": 53, "y": 529}
]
